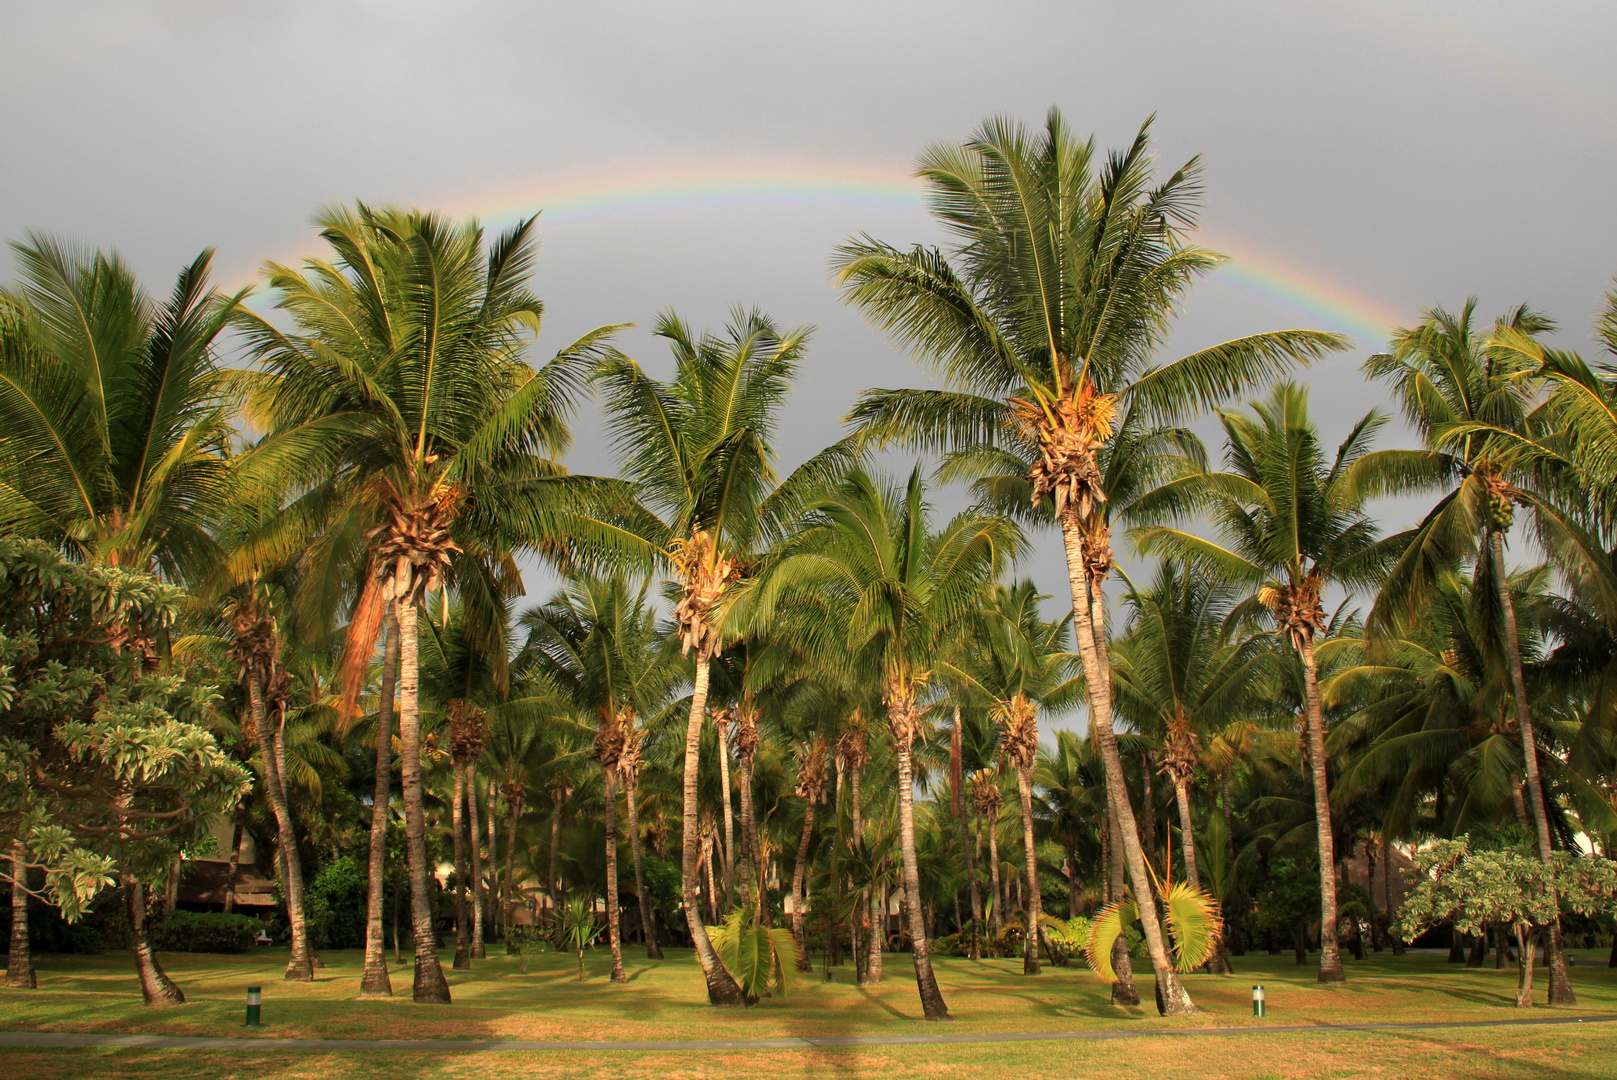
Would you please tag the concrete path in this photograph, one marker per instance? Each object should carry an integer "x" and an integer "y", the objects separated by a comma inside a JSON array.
[{"x": 807, "y": 1042}]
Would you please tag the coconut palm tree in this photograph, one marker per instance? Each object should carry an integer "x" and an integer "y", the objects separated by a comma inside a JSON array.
[
  {"x": 114, "y": 411},
  {"x": 597, "y": 642},
  {"x": 698, "y": 450},
  {"x": 1293, "y": 525},
  {"x": 403, "y": 413},
  {"x": 900, "y": 588},
  {"x": 1043, "y": 322},
  {"x": 1022, "y": 665}
]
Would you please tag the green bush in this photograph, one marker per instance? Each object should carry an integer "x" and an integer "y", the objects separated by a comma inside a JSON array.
[
  {"x": 335, "y": 901},
  {"x": 208, "y": 931}
]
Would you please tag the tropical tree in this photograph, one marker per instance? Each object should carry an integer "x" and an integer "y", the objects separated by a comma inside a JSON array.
[
  {"x": 1293, "y": 525},
  {"x": 1043, "y": 322},
  {"x": 114, "y": 411},
  {"x": 404, "y": 414},
  {"x": 698, "y": 450},
  {"x": 899, "y": 587}
]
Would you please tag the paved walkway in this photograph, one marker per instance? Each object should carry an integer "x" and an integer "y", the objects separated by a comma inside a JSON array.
[{"x": 806, "y": 1042}]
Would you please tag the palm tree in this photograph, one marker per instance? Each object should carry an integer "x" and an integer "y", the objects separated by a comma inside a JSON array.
[
  {"x": 697, "y": 449},
  {"x": 1042, "y": 322},
  {"x": 869, "y": 551},
  {"x": 114, "y": 412},
  {"x": 403, "y": 412},
  {"x": 597, "y": 642},
  {"x": 1293, "y": 524},
  {"x": 1023, "y": 665},
  {"x": 812, "y": 781}
]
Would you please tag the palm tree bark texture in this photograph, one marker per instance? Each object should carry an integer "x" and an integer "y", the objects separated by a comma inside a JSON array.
[
  {"x": 899, "y": 697},
  {"x": 375, "y": 981}
]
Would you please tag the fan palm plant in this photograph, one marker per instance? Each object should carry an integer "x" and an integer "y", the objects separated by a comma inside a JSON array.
[
  {"x": 899, "y": 587},
  {"x": 1043, "y": 322},
  {"x": 114, "y": 412},
  {"x": 1294, "y": 524},
  {"x": 403, "y": 413}
]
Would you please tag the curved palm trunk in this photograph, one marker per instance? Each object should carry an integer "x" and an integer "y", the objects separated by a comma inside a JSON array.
[
  {"x": 799, "y": 876},
  {"x": 1560, "y": 985},
  {"x": 19, "y": 963},
  {"x": 457, "y": 826},
  {"x": 721, "y": 988},
  {"x": 1035, "y": 902},
  {"x": 430, "y": 984},
  {"x": 932, "y": 1004},
  {"x": 375, "y": 982},
  {"x": 237, "y": 831},
  {"x": 614, "y": 935},
  {"x": 155, "y": 986},
  {"x": 729, "y": 819},
  {"x": 1330, "y": 954},
  {"x": 648, "y": 929},
  {"x": 300, "y": 966},
  {"x": 479, "y": 949},
  {"x": 1089, "y": 617}
]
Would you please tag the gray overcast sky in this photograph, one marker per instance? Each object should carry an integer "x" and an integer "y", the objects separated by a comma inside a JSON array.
[{"x": 1365, "y": 159}]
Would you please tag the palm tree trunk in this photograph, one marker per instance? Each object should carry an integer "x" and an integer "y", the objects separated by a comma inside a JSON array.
[
  {"x": 1330, "y": 955},
  {"x": 757, "y": 872},
  {"x": 1187, "y": 832},
  {"x": 997, "y": 918},
  {"x": 155, "y": 986},
  {"x": 1089, "y": 619},
  {"x": 1124, "y": 992},
  {"x": 614, "y": 936},
  {"x": 430, "y": 984},
  {"x": 932, "y": 1004},
  {"x": 494, "y": 852},
  {"x": 971, "y": 841},
  {"x": 479, "y": 949},
  {"x": 237, "y": 831},
  {"x": 1035, "y": 902},
  {"x": 1560, "y": 984},
  {"x": 554, "y": 885},
  {"x": 648, "y": 922},
  {"x": 375, "y": 981},
  {"x": 799, "y": 877},
  {"x": 19, "y": 963},
  {"x": 877, "y": 943},
  {"x": 729, "y": 819},
  {"x": 300, "y": 967},
  {"x": 721, "y": 988},
  {"x": 457, "y": 826},
  {"x": 508, "y": 901}
]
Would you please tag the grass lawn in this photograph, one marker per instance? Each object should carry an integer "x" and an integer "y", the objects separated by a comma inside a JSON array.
[{"x": 665, "y": 1001}]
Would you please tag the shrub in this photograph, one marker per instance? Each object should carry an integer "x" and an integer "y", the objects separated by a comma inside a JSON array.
[{"x": 209, "y": 931}]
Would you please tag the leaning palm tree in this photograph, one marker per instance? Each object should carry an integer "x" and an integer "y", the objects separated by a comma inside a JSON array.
[
  {"x": 1043, "y": 322},
  {"x": 402, "y": 412},
  {"x": 869, "y": 556},
  {"x": 597, "y": 642},
  {"x": 1294, "y": 525},
  {"x": 114, "y": 411},
  {"x": 698, "y": 450}
]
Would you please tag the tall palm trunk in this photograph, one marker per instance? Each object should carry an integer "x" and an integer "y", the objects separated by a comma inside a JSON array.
[
  {"x": 430, "y": 984},
  {"x": 494, "y": 852},
  {"x": 1035, "y": 902},
  {"x": 1187, "y": 831},
  {"x": 757, "y": 875},
  {"x": 457, "y": 826},
  {"x": 479, "y": 949},
  {"x": 997, "y": 918},
  {"x": 19, "y": 963},
  {"x": 1560, "y": 985},
  {"x": 1330, "y": 955},
  {"x": 375, "y": 981},
  {"x": 972, "y": 837},
  {"x": 648, "y": 927},
  {"x": 877, "y": 943},
  {"x": 729, "y": 817},
  {"x": 508, "y": 904},
  {"x": 1124, "y": 992},
  {"x": 799, "y": 877},
  {"x": 721, "y": 988},
  {"x": 1089, "y": 618},
  {"x": 155, "y": 985},
  {"x": 614, "y": 935},
  {"x": 553, "y": 886},
  {"x": 300, "y": 967},
  {"x": 932, "y": 1004},
  {"x": 237, "y": 832}
]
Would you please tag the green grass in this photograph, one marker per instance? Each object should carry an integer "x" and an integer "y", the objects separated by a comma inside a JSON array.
[{"x": 665, "y": 1001}]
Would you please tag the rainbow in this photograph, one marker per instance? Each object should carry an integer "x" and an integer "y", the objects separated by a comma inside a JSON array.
[{"x": 603, "y": 197}]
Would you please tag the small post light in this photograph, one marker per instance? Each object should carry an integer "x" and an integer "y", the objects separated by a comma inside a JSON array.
[
  {"x": 255, "y": 1006},
  {"x": 1258, "y": 1002}
]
